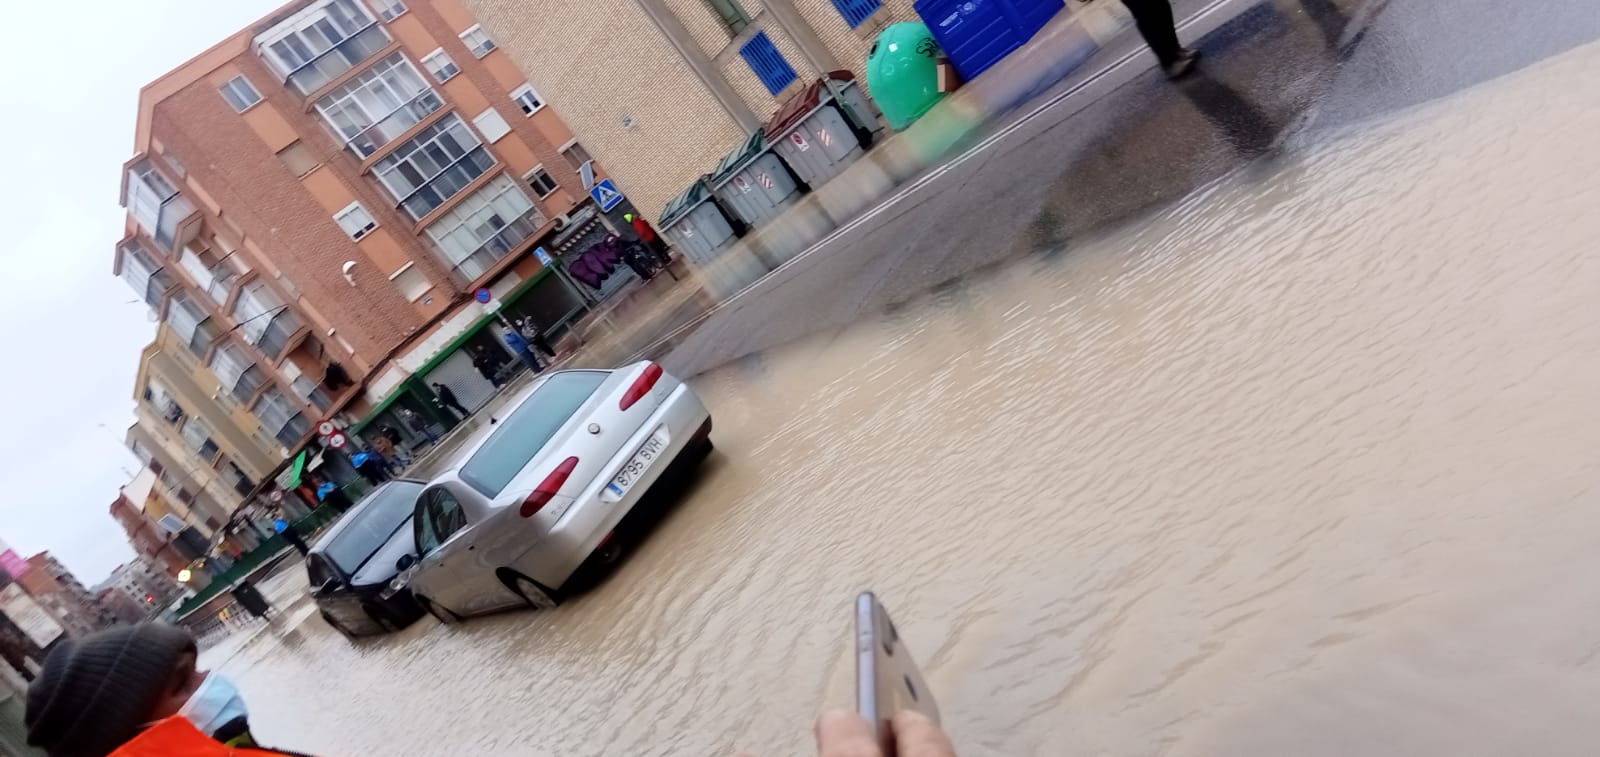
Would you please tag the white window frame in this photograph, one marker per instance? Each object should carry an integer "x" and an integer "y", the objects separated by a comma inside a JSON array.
[
  {"x": 438, "y": 72},
  {"x": 466, "y": 224},
  {"x": 491, "y": 125},
  {"x": 389, "y": 10},
  {"x": 234, "y": 92},
  {"x": 425, "y": 145},
  {"x": 384, "y": 100},
  {"x": 350, "y": 220},
  {"x": 538, "y": 170},
  {"x": 481, "y": 45},
  {"x": 527, "y": 90}
]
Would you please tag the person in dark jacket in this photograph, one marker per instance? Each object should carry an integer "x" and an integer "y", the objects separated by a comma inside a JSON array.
[
  {"x": 447, "y": 400},
  {"x": 487, "y": 366},
  {"x": 291, "y": 535},
  {"x": 519, "y": 347},
  {"x": 652, "y": 241},
  {"x": 1160, "y": 32},
  {"x": 527, "y": 328},
  {"x": 639, "y": 259}
]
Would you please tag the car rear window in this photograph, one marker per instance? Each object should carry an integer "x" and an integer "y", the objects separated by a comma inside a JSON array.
[
  {"x": 522, "y": 434},
  {"x": 381, "y": 513}
]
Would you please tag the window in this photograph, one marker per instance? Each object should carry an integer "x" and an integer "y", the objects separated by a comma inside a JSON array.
[
  {"x": 378, "y": 105},
  {"x": 433, "y": 166},
  {"x": 159, "y": 398},
  {"x": 541, "y": 182},
  {"x": 518, "y": 439},
  {"x": 485, "y": 227},
  {"x": 355, "y": 220},
  {"x": 856, "y": 12},
  {"x": 477, "y": 40},
  {"x": 298, "y": 158},
  {"x": 144, "y": 273},
  {"x": 389, "y": 10},
  {"x": 240, "y": 93},
  {"x": 212, "y": 276},
  {"x": 731, "y": 14},
  {"x": 309, "y": 391},
  {"x": 236, "y": 372},
  {"x": 440, "y": 65},
  {"x": 438, "y": 517},
  {"x": 576, "y": 155},
  {"x": 280, "y": 417},
  {"x": 412, "y": 282},
  {"x": 491, "y": 125},
  {"x": 237, "y": 479},
  {"x": 527, "y": 99},
  {"x": 191, "y": 322},
  {"x": 764, "y": 59},
  {"x": 317, "y": 44},
  {"x": 263, "y": 318},
  {"x": 155, "y": 203},
  {"x": 198, "y": 436},
  {"x": 384, "y": 512}
]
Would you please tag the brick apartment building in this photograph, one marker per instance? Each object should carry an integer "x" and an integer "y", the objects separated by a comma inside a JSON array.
[
  {"x": 660, "y": 90},
  {"x": 153, "y": 544},
  {"x": 59, "y": 591}
]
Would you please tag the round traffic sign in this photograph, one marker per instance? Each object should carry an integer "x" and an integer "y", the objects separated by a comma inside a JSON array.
[
  {"x": 483, "y": 295},
  {"x": 338, "y": 440},
  {"x": 326, "y": 428}
]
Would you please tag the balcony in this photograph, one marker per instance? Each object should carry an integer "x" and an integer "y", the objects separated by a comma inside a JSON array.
[
  {"x": 336, "y": 60},
  {"x": 144, "y": 274},
  {"x": 321, "y": 42},
  {"x": 171, "y": 229},
  {"x": 484, "y": 228}
]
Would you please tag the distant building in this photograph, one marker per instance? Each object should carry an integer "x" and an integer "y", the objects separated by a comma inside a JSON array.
[
  {"x": 122, "y": 607},
  {"x": 150, "y": 541},
  {"x": 57, "y": 590}
]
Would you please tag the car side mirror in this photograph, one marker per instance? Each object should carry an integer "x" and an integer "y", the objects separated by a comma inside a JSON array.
[{"x": 405, "y": 562}]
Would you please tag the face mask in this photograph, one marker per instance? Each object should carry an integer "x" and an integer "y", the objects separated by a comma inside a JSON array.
[{"x": 215, "y": 704}]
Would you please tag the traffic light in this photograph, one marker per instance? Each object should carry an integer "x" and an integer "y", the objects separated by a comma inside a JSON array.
[{"x": 149, "y": 599}]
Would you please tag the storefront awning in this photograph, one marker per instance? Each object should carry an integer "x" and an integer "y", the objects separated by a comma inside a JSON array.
[{"x": 291, "y": 477}]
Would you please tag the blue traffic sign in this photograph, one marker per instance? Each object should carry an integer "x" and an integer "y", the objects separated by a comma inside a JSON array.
[
  {"x": 543, "y": 255},
  {"x": 484, "y": 295},
  {"x": 606, "y": 195}
]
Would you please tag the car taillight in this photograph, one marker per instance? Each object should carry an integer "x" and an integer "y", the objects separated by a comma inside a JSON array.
[
  {"x": 547, "y": 490},
  {"x": 642, "y": 385}
]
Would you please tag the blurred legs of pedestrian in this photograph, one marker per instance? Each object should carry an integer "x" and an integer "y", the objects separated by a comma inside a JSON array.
[
  {"x": 1160, "y": 31},
  {"x": 531, "y": 361}
]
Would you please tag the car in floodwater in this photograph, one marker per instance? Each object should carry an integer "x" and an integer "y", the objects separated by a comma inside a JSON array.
[
  {"x": 352, "y": 566},
  {"x": 542, "y": 495}
]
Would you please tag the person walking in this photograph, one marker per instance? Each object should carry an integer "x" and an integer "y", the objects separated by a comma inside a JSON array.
[
  {"x": 447, "y": 400},
  {"x": 1155, "y": 22},
  {"x": 291, "y": 535}
]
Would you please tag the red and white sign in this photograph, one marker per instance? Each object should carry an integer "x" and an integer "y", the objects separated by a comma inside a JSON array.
[
  {"x": 742, "y": 183},
  {"x": 799, "y": 141},
  {"x": 338, "y": 440},
  {"x": 766, "y": 180},
  {"x": 326, "y": 428},
  {"x": 825, "y": 138}
]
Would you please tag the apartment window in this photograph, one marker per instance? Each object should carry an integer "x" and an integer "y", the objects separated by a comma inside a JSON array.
[
  {"x": 576, "y": 155},
  {"x": 389, "y": 10},
  {"x": 237, "y": 479},
  {"x": 240, "y": 93},
  {"x": 318, "y": 44},
  {"x": 144, "y": 273},
  {"x": 491, "y": 125},
  {"x": 527, "y": 99},
  {"x": 477, "y": 40},
  {"x": 298, "y": 158},
  {"x": 159, "y": 398},
  {"x": 355, "y": 220},
  {"x": 149, "y": 194},
  {"x": 212, "y": 276},
  {"x": 430, "y": 168},
  {"x": 763, "y": 57},
  {"x": 440, "y": 65},
  {"x": 280, "y": 417},
  {"x": 236, "y": 372},
  {"x": 731, "y": 14},
  {"x": 309, "y": 391},
  {"x": 856, "y": 12},
  {"x": 264, "y": 319},
  {"x": 487, "y": 226},
  {"x": 541, "y": 182},
  {"x": 411, "y": 282},
  {"x": 191, "y": 322},
  {"x": 198, "y": 436},
  {"x": 378, "y": 105}
]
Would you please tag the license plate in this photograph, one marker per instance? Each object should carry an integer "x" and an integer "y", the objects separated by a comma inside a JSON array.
[{"x": 630, "y": 473}]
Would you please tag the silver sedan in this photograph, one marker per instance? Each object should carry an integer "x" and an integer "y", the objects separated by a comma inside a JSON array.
[{"x": 545, "y": 491}]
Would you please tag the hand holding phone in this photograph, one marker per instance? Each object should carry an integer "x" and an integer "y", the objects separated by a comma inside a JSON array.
[{"x": 888, "y": 682}]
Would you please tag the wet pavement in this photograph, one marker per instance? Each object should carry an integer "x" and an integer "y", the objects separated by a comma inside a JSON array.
[{"x": 1290, "y": 453}]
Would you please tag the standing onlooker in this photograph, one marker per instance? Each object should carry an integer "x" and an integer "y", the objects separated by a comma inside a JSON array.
[
  {"x": 487, "y": 366},
  {"x": 418, "y": 424},
  {"x": 447, "y": 400},
  {"x": 533, "y": 335},
  {"x": 291, "y": 535},
  {"x": 1160, "y": 32},
  {"x": 519, "y": 347},
  {"x": 652, "y": 241}
]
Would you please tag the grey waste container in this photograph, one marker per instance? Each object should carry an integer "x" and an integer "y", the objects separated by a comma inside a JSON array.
[
  {"x": 813, "y": 134},
  {"x": 753, "y": 182},
  {"x": 694, "y": 224}
]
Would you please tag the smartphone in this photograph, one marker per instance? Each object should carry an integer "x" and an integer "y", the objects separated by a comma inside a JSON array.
[{"x": 887, "y": 679}]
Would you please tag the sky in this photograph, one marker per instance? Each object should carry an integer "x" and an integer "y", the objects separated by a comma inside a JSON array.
[{"x": 70, "y": 331}]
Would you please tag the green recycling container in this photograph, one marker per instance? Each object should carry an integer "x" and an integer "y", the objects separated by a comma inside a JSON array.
[{"x": 903, "y": 73}]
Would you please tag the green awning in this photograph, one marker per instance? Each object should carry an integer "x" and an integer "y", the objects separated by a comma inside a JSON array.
[{"x": 291, "y": 479}]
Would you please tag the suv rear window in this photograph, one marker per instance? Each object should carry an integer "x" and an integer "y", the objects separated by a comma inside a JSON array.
[{"x": 522, "y": 434}]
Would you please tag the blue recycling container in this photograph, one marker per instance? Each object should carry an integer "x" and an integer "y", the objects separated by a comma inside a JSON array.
[{"x": 976, "y": 34}]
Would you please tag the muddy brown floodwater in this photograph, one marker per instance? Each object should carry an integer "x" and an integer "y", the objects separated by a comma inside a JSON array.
[{"x": 1305, "y": 464}]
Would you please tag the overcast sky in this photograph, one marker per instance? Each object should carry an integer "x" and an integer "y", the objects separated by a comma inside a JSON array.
[{"x": 70, "y": 332}]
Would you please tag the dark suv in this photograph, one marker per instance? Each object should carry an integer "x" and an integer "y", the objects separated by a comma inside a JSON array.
[{"x": 351, "y": 566}]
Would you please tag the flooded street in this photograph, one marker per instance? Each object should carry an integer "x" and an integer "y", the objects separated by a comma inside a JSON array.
[{"x": 1302, "y": 464}]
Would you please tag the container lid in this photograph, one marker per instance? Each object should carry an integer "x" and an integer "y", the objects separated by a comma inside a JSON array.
[
  {"x": 681, "y": 205},
  {"x": 799, "y": 105},
  {"x": 735, "y": 161}
]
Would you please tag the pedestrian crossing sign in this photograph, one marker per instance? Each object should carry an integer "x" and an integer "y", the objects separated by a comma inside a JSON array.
[{"x": 605, "y": 195}]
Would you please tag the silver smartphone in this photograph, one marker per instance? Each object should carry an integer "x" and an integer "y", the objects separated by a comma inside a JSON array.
[{"x": 887, "y": 679}]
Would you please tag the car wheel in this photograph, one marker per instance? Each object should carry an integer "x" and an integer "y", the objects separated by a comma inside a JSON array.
[
  {"x": 326, "y": 618},
  {"x": 537, "y": 595},
  {"x": 609, "y": 552},
  {"x": 444, "y": 616}
]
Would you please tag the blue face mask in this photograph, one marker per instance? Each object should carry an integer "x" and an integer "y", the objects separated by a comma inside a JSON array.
[{"x": 215, "y": 704}]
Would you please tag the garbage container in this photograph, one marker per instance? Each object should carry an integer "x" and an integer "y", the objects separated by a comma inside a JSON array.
[
  {"x": 753, "y": 182},
  {"x": 695, "y": 224},
  {"x": 976, "y": 34},
  {"x": 250, "y": 599},
  {"x": 903, "y": 73},
  {"x": 813, "y": 134}
]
